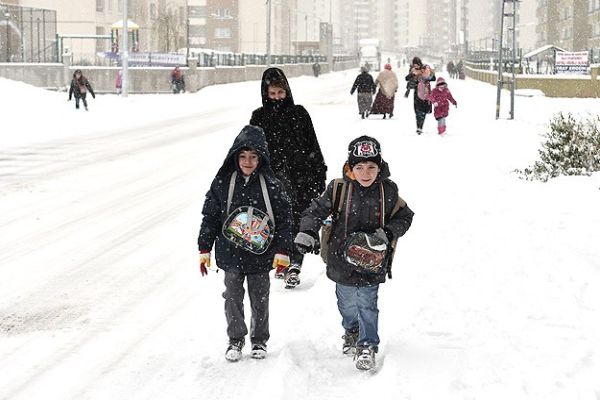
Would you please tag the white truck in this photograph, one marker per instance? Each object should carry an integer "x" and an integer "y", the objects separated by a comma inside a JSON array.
[{"x": 370, "y": 53}]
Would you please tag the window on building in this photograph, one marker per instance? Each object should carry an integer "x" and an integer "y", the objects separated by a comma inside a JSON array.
[
  {"x": 197, "y": 11},
  {"x": 100, "y": 5},
  {"x": 222, "y": 33},
  {"x": 152, "y": 11},
  {"x": 223, "y": 13},
  {"x": 198, "y": 30}
]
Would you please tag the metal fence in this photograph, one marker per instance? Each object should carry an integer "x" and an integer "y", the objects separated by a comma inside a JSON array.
[
  {"x": 239, "y": 59},
  {"x": 27, "y": 34}
]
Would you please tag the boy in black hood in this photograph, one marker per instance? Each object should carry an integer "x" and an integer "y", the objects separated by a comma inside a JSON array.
[
  {"x": 296, "y": 156},
  {"x": 366, "y": 205},
  {"x": 248, "y": 216}
]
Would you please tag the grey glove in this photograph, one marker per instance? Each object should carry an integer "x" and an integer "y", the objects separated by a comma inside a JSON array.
[
  {"x": 306, "y": 243},
  {"x": 380, "y": 234}
]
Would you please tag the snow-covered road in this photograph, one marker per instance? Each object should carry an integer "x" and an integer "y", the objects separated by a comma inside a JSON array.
[{"x": 496, "y": 289}]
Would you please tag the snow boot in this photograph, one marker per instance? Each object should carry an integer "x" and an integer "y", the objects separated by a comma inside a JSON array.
[
  {"x": 384, "y": 116},
  {"x": 419, "y": 131},
  {"x": 291, "y": 277},
  {"x": 234, "y": 350},
  {"x": 365, "y": 357},
  {"x": 362, "y": 115},
  {"x": 259, "y": 351},
  {"x": 349, "y": 346},
  {"x": 440, "y": 130}
]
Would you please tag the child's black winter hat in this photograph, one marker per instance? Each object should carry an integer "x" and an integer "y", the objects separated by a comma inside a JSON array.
[{"x": 363, "y": 149}]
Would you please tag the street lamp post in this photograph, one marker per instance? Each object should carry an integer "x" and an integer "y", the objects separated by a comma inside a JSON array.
[
  {"x": 125, "y": 52},
  {"x": 7, "y": 16},
  {"x": 268, "y": 33}
]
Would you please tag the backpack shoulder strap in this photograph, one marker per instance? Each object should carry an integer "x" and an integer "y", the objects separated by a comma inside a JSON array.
[
  {"x": 339, "y": 190},
  {"x": 231, "y": 190},
  {"x": 265, "y": 192}
]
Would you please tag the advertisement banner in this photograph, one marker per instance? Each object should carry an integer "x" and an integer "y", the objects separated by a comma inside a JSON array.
[{"x": 571, "y": 62}]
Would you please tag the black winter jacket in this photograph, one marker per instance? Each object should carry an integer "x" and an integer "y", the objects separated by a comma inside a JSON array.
[
  {"x": 363, "y": 216},
  {"x": 296, "y": 155},
  {"x": 418, "y": 104},
  {"x": 364, "y": 83},
  {"x": 229, "y": 257},
  {"x": 77, "y": 88}
]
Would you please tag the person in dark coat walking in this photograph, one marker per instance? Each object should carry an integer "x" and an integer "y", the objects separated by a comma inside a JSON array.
[
  {"x": 296, "y": 155},
  {"x": 248, "y": 217},
  {"x": 423, "y": 75},
  {"x": 80, "y": 86},
  {"x": 365, "y": 87},
  {"x": 371, "y": 205},
  {"x": 316, "y": 67}
]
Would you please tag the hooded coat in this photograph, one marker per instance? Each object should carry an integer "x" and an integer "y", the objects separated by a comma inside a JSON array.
[
  {"x": 422, "y": 105},
  {"x": 296, "y": 155},
  {"x": 441, "y": 95},
  {"x": 364, "y": 83},
  {"x": 79, "y": 87},
  {"x": 230, "y": 257},
  {"x": 363, "y": 216}
]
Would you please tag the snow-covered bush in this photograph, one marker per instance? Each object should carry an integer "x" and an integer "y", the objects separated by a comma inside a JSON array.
[{"x": 572, "y": 148}]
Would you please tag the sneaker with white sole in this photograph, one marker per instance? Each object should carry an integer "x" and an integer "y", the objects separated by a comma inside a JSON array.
[
  {"x": 234, "y": 350},
  {"x": 349, "y": 346},
  {"x": 292, "y": 278},
  {"x": 365, "y": 357},
  {"x": 259, "y": 351}
]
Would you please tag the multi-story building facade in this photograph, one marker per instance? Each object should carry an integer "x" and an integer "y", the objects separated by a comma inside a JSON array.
[
  {"x": 593, "y": 12},
  {"x": 566, "y": 23}
]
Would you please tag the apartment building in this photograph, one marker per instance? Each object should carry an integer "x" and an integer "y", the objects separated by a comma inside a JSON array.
[{"x": 566, "y": 23}]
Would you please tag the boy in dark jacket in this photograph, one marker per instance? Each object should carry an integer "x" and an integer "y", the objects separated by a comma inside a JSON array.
[
  {"x": 296, "y": 155},
  {"x": 248, "y": 216},
  {"x": 79, "y": 87},
  {"x": 372, "y": 210},
  {"x": 365, "y": 85}
]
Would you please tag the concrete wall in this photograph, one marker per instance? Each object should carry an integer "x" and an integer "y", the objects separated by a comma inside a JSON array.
[
  {"x": 149, "y": 80},
  {"x": 551, "y": 85}
]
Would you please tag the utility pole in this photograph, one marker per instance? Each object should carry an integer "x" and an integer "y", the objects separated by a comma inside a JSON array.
[
  {"x": 513, "y": 55},
  {"x": 125, "y": 52},
  {"x": 268, "y": 33}
]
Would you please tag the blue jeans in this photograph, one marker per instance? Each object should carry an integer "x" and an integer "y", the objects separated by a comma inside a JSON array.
[{"x": 358, "y": 306}]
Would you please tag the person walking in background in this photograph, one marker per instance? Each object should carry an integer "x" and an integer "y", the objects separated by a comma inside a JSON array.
[
  {"x": 296, "y": 156},
  {"x": 316, "y": 67},
  {"x": 248, "y": 217},
  {"x": 423, "y": 75},
  {"x": 79, "y": 88},
  {"x": 119, "y": 81},
  {"x": 439, "y": 98},
  {"x": 177, "y": 80},
  {"x": 388, "y": 86},
  {"x": 365, "y": 88}
]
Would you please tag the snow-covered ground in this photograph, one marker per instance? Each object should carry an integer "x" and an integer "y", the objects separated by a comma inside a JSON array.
[{"x": 496, "y": 288}]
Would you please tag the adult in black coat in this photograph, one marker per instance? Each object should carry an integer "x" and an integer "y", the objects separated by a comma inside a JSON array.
[
  {"x": 79, "y": 87},
  {"x": 420, "y": 74},
  {"x": 365, "y": 86},
  {"x": 296, "y": 155}
]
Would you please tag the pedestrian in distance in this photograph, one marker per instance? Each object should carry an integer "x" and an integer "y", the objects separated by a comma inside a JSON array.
[
  {"x": 177, "y": 80},
  {"x": 367, "y": 218},
  {"x": 440, "y": 97},
  {"x": 316, "y": 67},
  {"x": 388, "y": 86},
  {"x": 422, "y": 74},
  {"x": 365, "y": 87},
  {"x": 247, "y": 215},
  {"x": 79, "y": 88},
  {"x": 296, "y": 155},
  {"x": 119, "y": 81}
]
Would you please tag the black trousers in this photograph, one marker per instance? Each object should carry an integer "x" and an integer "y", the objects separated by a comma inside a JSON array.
[
  {"x": 258, "y": 290},
  {"x": 82, "y": 97}
]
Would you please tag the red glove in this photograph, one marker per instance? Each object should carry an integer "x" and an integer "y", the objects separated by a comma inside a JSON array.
[
  {"x": 204, "y": 262},
  {"x": 280, "y": 262}
]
